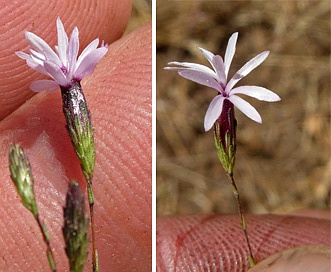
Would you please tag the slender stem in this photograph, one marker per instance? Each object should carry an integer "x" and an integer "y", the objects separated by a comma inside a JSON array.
[
  {"x": 90, "y": 194},
  {"x": 242, "y": 217},
  {"x": 49, "y": 251}
]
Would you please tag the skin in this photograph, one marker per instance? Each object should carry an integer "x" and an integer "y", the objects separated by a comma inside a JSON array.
[
  {"x": 207, "y": 242},
  {"x": 118, "y": 94}
]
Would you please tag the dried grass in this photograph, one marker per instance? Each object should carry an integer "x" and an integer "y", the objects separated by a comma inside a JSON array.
[
  {"x": 283, "y": 164},
  {"x": 141, "y": 14}
]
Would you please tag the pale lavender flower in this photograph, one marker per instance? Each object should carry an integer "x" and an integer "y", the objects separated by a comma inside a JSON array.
[
  {"x": 62, "y": 64},
  {"x": 217, "y": 79}
]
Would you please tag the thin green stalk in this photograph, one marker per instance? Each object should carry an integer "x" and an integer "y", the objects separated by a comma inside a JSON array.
[
  {"x": 95, "y": 260},
  {"x": 46, "y": 238},
  {"x": 242, "y": 218}
]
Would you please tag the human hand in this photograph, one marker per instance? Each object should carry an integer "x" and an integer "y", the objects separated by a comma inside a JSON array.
[
  {"x": 118, "y": 94},
  {"x": 216, "y": 242}
]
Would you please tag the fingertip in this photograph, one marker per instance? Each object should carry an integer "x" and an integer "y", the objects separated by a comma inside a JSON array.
[
  {"x": 119, "y": 98},
  {"x": 298, "y": 259},
  {"x": 187, "y": 241}
]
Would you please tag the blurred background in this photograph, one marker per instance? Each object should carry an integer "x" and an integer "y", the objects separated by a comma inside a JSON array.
[
  {"x": 140, "y": 16},
  {"x": 282, "y": 165}
]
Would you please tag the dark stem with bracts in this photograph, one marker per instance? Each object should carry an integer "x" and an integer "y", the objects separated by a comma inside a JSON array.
[{"x": 80, "y": 129}]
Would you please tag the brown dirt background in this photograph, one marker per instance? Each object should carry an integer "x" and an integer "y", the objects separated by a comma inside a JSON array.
[
  {"x": 282, "y": 165},
  {"x": 141, "y": 14}
]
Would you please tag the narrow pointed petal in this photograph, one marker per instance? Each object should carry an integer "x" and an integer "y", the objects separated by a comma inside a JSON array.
[
  {"x": 88, "y": 64},
  {"x": 217, "y": 63},
  {"x": 73, "y": 51},
  {"x": 56, "y": 73},
  {"x": 213, "y": 112},
  {"x": 246, "y": 108},
  {"x": 220, "y": 69},
  {"x": 36, "y": 62},
  {"x": 257, "y": 92},
  {"x": 229, "y": 52},
  {"x": 36, "y": 66},
  {"x": 208, "y": 55},
  {"x": 246, "y": 69},
  {"x": 37, "y": 56},
  {"x": 192, "y": 66},
  {"x": 62, "y": 40},
  {"x": 92, "y": 46},
  {"x": 22, "y": 55},
  {"x": 42, "y": 47},
  {"x": 32, "y": 62},
  {"x": 201, "y": 78},
  {"x": 43, "y": 85}
]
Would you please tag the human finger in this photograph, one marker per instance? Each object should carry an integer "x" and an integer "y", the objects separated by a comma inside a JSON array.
[
  {"x": 207, "y": 242},
  {"x": 303, "y": 258}
]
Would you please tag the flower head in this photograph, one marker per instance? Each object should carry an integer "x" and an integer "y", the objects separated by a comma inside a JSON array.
[
  {"x": 75, "y": 229},
  {"x": 216, "y": 78},
  {"x": 20, "y": 173},
  {"x": 62, "y": 64}
]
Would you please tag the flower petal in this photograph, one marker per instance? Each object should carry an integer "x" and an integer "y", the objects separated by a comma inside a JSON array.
[
  {"x": 38, "y": 57},
  {"x": 73, "y": 48},
  {"x": 32, "y": 62},
  {"x": 229, "y": 52},
  {"x": 92, "y": 46},
  {"x": 208, "y": 55},
  {"x": 220, "y": 69},
  {"x": 192, "y": 66},
  {"x": 36, "y": 66},
  {"x": 246, "y": 69},
  {"x": 87, "y": 65},
  {"x": 201, "y": 78},
  {"x": 245, "y": 108},
  {"x": 217, "y": 62},
  {"x": 22, "y": 55},
  {"x": 257, "y": 92},
  {"x": 44, "y": 84},
  {"x": 42, "y": 47},
  {"x": 62, "y": 40},
  {"x": 56, "y": 73},
  {"x": 213, "y": 112}
]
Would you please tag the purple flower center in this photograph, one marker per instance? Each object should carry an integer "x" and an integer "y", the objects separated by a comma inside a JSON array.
[
  {"x": 223, "y": 93},
  {"x": 227, "y": 124},
  {"x": 64, "y": 70}
]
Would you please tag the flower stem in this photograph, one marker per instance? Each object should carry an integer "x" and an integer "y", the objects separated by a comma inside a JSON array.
[
  {"x": 90, "y": 195},
  {"x": 242, "y": 218},
  {"x": 49, "y": 251}
]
